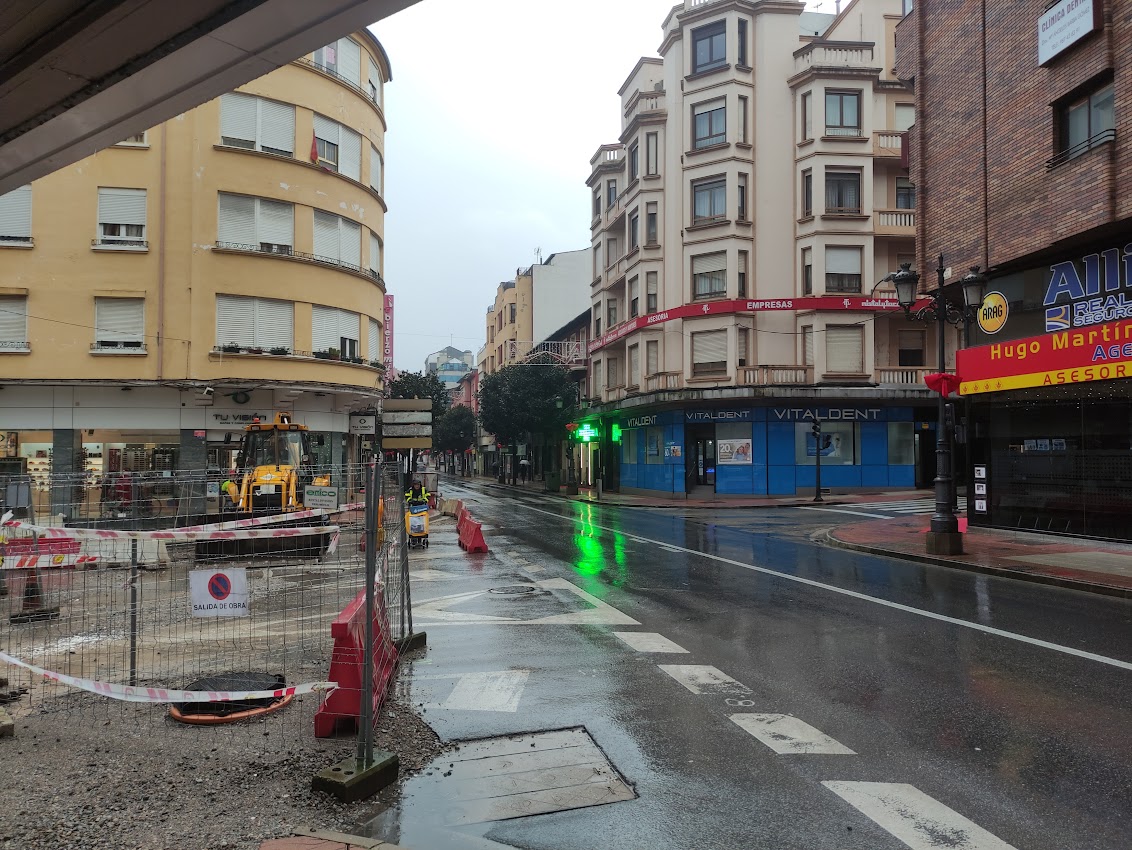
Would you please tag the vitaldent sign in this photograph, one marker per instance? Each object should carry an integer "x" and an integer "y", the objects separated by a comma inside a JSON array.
[
  {"x": 1091, "y": 290},
  {"x": 1066, "y": 23},
  {"x": 828, "y": 414}
]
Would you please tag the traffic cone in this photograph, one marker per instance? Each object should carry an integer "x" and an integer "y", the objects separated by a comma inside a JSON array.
[{"x": 33, "y": 608}]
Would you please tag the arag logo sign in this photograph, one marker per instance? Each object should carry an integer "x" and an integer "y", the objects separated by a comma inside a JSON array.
[{"x": 993, "y": 313}]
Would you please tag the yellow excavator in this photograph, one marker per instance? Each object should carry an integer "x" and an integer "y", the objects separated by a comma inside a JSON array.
[{"x": 273, "y": 468}]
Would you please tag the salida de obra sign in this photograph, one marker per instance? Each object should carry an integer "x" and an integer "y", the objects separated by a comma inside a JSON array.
[{"x": 219, "y": 593}]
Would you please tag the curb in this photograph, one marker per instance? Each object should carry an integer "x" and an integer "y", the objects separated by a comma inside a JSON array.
[{"x": 968, "y": 566}]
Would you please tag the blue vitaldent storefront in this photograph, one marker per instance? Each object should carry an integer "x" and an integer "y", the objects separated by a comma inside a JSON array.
[{"x": 768, "y": 450}]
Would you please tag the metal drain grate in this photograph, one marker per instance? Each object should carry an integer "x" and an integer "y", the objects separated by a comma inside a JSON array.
[{"x": 513, "y": 589}]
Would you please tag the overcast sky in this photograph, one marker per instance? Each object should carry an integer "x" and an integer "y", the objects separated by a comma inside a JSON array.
[{"x": 493, "y": 118}]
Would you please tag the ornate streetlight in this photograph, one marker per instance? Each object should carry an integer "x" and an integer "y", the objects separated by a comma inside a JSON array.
[{"x": 945, "y": 308}]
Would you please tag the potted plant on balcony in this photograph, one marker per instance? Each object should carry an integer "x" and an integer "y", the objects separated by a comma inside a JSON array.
[
  {"x": 333, "y": 354},
  {"x": 279, "y": 351},
  {"x": 230, "y": 348}
]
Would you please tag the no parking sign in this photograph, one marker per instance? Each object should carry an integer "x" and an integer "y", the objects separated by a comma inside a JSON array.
[{"x": 219, "y": 593}]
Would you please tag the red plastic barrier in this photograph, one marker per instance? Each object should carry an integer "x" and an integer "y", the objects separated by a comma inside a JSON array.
[
  {"x": 471, "y": 537},
  {"x": 462, "y": 517},
  {"x": 347, "y": 660}
]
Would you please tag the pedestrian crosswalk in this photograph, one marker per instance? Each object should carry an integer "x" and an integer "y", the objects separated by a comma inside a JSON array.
[{"x": 889, "y": 509}]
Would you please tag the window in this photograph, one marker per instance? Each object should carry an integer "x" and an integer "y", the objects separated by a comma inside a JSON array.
[
  {"x": 634, "y": 161},
  {"x": 650, "y": 224},
  {"x": 807, "y": 193},
  {"x": 742, "y": 119},
  {"x": 597, "y": 261},
  {"x": 741, "y": 56},
  {"x": 652, "y": 151},
  {"x": 612, "y": 372},
  {"x": 634, "y": 376},
  {"x": 1087, "y": 122},
  {"x": 375, "y": 83},
  {"x": 610, "y": 313},
  {"x": 511, "y": 319},
  {"x": 807, "y": 271},
  {"x": 650, "y": 292},
  {"x": 634, "y": 230},
  {"x": 339, "y": 148},
  {"x": 343, "y": 58},
  {"x": 376, "y": 169},
  {"x": 119, "y": 323},
  {"x": 254, "y": 123},
  {"x": 742, "y": 197},
  {"x": 808, "y": 345},
  {"x": 121, "y": 217},
  {"x": 742, "y": 274},
  {"x": 597, "y": 202},
  {"x": 13, "y": 322},
  {"x": 326, "y": 58},
  {"x": 843, "y": 192},
  {"x": 709, "y": 352},
  {"x": 136, "y": 139},
  {"x": 597, "y": 375},
  {"x": 610, "y": 194},
  {"x": 709, "y": 123},
  {"x": 634, "y": 297},
  {"x": 905, "y": 194},
  {"x": 844, "y": 349},
  {"x": 333, "y": 328},
  {"x": 709, "y": 48},
  {"x": 709, "y": 201},
  {"x": 254, "y": 322},
  {"x": 807, "y": 116},
  {"x": 842, "y": 113},
  {"x": 709, "y": 275},
  {"x": 255, "y": 224},
  {"x": 842, "y": 269},
  {"x": 652, "y": 357},
  {"x": 597, "y": 321},
  {"x": 337, "y": 240},
  {"x": 612, "y": 251},
  {"x": 374, "y": 342},
  {"x": 15, "y": 217},
  {"x": 904, "y": 116},
  {"x": 743, "y": 340},
  {"x": 910, "y": 345},
  {"x": 907, "y": 6},
  {"x": 375, "y": 255}
]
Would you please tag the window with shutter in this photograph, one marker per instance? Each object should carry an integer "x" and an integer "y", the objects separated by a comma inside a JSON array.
[
  {"x": 324, "y": 328},
  {"x": 348, "y": 333},
  {"x": 375, "y": 255},
  {"x": 844, "y": 349},
  {"x": 235, "y": 224},
  {"x": 238, "y": 120},
  {"x": 742, "y": 274},
  {"x": 274, "y": 324},
  {"x": 634, "y": 297},
  {"x": 709, "y": 352},
  {"x": 634, "y": 376},
  {"x": 613, "y": 372},
  {"x": 374, "y": 341},
  {"x": 326, "y": 236},
  {"x": 650, "y": 292},
  {"x": 327, "y": 137},
  {"x": 350, "y": 154},
  {"x": 275, "y": 226},
  {"x": 326, "y": 58},
  {"x": 276, "y": 127},
  {"x": 350, "y": 61},
  {"x": 808, "y": 346},
  {"x": 235, "y": 321},
  {"x": 652, "y": 357},
  {"x": 351, "y": 241},
  {"x": 375, "y": 163},
  {"x": 842, "y": 269},
  {"x": 119, "y": 323},
  {"x": 709, "y": 275},
  {"x": 742, "y": 345},
  {"x": 121, "y": 217},
  {"x": 13, "y": 322},
  {"x": 15, "y": 217},
  {"x": 910, "y": 345},
  {"x": 375, "y": 82}
]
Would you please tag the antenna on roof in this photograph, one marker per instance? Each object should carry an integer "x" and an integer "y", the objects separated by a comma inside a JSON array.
[{"x": 538, "y": 256}]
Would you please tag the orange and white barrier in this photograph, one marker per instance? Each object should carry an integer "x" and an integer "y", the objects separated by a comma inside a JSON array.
[{"x": 43, "y": 562}]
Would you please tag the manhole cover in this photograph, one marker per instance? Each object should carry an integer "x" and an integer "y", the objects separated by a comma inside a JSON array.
[{"x": 513, "y": 589}]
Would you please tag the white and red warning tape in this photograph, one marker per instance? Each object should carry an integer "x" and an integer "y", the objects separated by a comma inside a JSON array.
[
  {"x": 128, "y": 693},
  {"x": 38, "y": 562}
]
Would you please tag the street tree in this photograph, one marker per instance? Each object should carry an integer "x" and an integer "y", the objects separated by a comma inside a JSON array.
[
  {"x": 455, "y": 431},
  {"x": 527, "y": 399}
]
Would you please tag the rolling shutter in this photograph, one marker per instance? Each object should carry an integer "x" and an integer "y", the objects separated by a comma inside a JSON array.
[
  {"x": 326, "y": 236},
  {"x": 843, "y": 260},
  {"x": 13, "y": 321},
  {"x": 844, "y": 349},
  {"x": 15, "y": 214},
  {"x": 348, "y": 324},
  {"x": 634, "y": 375},
  {"x": 277, "y": 126},
  {"x": 652, "y": 357},
  {"x": 274, "y": 323},
  {"x": 374, "y": 341},
  {"x": 350, "y": 61},
  {"x": 351, "y": 245},
  {"x": 121, "y": 206},
  {"x": 742, "y": 262},
  {"x": 350, "y": 153},
  {"x": 276, "y": 223},
  {"x": 236, "y": 221},
  {"x": 374, "y": 254},
  {"x": 375, "y": 80},
  {"x": 705, "y": 263},
  {"x": 324, "y": 327},
  {"x": 238, "y": 120},
  {"x": 235, "y": 320},
  {"x": 807, "y": 346},
  {"x": 326, "y": 129},
  {"x": 119, "y": 320},
  {"x": 374, "y": 169},
  {"x": 709, "y": 347}
]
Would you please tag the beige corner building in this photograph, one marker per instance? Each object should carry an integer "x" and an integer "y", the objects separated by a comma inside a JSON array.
[
  {"x": 739, "y": 225},
  {"x": 227, "y": 264}
]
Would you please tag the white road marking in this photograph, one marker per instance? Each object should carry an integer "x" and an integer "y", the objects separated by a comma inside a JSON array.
[
  {"x": 435, "y": 611},
  {"x": 704, "y": 679},
  {"x": 649, "y": 642},
  {"x": 499, "y": 691},
  {"x": 432, "y": 575},
  {"x": 788, "y": 735},
  {"x": 921, "y": 822},
  {"x": 840, "y": 511},
  {"x": 943, "y": 618}
]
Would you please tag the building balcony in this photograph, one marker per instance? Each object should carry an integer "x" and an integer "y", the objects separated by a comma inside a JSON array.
[
  {"x": 646, "y": 104},
  {"x": 901, "y": 376},
  {"x": 608, "y": 158},
  {"x": 895, "y": 223},
  {"x": 776, "y": 376},
  {"x": 888, "y": 144},
  {"x": 834, "y": 54},
  {"x": 662, "y": 381}
]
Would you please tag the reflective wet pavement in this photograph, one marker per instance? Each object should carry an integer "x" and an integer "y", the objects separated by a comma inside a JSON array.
[{"x": 764, "y": 691}]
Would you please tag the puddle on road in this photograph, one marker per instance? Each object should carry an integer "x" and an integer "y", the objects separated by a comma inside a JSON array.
[{"x": 475, "y": 783}]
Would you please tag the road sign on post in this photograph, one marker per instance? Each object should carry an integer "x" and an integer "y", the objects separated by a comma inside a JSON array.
[{"x": 406, "y": 423}]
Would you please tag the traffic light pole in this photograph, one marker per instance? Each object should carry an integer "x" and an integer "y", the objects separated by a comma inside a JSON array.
[{"x": 816, "y": 429}]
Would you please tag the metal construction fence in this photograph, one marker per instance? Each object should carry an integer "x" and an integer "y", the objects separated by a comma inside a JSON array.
[{"x": 117, "y": 617}]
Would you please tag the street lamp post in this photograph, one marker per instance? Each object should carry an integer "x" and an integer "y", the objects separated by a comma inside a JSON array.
[{"x": 943, "y": 537}]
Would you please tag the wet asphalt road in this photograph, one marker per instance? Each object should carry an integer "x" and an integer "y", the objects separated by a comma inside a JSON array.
[{"x": 1008, "y": 703}]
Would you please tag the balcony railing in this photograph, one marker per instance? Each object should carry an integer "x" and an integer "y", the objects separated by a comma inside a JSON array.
[
  {"x": 776, "y": 376},
  {"x": 887, "y": 143},
  {"x": 273, "y": 250},
  {"x": 837, "y": 55},
  {"x": 607, "y": 154},
  {"x": 896, "y": 222},
  {"x": 903, "y": 376},
  {"x": 1080, "y": 148},
  {"x": 663, "y": 381}
]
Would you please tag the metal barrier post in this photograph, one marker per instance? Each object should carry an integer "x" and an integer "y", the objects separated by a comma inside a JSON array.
[
  {"x": 365, "y": 732},
  {"x": 133, "y": 611}
]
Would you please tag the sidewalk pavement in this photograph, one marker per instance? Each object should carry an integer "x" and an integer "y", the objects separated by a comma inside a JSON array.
[{"x": 1081, "y": 564}]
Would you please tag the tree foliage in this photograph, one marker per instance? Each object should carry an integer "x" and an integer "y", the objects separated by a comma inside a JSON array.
[
  {"x": 416, "y": 385},
  {"x": 518, "y": 400},
  {"x": 455, "y": 430}
]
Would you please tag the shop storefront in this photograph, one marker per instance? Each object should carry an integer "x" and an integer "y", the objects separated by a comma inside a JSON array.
[
  {"x": 771, "y": 450},
  {"x": 1051, "y": 401}
]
